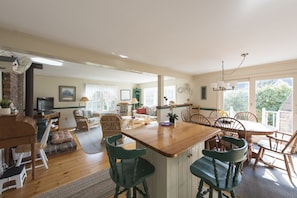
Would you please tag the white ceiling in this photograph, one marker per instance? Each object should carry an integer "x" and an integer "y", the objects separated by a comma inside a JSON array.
[{"x": 191, "y": 36}]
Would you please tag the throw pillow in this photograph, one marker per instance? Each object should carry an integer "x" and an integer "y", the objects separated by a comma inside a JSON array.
[
  {"x": 61, "y": 136},
  {"x": 141, "y": 110}
]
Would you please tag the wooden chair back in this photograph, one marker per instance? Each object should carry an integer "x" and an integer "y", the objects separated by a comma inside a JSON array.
[
  {"x": 279, "y": 144},
  {"x": 246, "y": 116},
  {"x": 186, "y": 115},
  {"x": 231, "y": 127},
  {"x": 200, "y": 119}
]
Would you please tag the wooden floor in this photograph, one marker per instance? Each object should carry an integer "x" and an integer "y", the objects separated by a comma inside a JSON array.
[{"x": 63, "y": 168}]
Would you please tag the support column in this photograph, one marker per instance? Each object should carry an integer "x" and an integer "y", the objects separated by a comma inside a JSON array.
[{"x": 29, "y": 92}]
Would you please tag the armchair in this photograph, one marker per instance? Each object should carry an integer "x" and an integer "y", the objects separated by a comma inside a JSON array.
[
  {"x": 86, "y": 119},
  {"x": 110, "y": 125}
]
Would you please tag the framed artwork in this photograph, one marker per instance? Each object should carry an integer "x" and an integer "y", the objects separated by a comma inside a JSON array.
[
  {"x": 67, "y": 93},
  {"x": 125, "y": 94},
  {"x": 203, "y": 93}
]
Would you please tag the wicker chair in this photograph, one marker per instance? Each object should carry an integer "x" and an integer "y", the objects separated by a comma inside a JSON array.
[
  {"x": 86, "y": 119},
  {"x": 110, "y": 125}
]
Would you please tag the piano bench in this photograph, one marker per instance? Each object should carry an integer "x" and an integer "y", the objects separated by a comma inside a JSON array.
[{"x": 12, "y": 178}]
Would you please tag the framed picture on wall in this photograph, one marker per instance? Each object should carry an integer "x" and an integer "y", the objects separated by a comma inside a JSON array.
[
  {"x": 203, "y": 93},
  {"x": 67, "y": 93},
  {"x": 125, "y": 94}
]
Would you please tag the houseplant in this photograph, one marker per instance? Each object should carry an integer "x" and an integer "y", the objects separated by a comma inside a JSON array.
[
  {"x": 172, "y": 116},
  {"x": 5, "y": 107}
]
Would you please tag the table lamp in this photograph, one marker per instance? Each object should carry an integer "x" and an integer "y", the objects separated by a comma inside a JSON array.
[
  {"x": 84, "y": 99},
  {"x": 134, "y": 101}
]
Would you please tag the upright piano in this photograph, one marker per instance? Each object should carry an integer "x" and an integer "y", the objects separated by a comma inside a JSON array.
[{"x": 17, "y": 130}]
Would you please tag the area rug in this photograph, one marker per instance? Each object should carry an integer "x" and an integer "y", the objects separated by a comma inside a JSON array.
[
  {"x": 90, "y": 141},
  {"x": 97, "y": 185}
]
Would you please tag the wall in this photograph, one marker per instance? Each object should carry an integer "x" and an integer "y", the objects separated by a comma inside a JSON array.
[
  {"x": 265, "y": 71},
  {"x": 49, "y": 86},
  {"x": 181, "y": 98}
]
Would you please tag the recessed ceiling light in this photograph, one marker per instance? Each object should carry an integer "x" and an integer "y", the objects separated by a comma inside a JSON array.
[
  {"x": 123, "y": 56},
  {"x": 47, "y": 61}
]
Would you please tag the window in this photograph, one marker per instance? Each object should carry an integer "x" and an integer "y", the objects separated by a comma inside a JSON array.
[
  {"x": 237, "y": 100},
  {"x": 274, "y": 103},
  {"x": 102, "y": 98},
  {"x": 150, "y": 95}
]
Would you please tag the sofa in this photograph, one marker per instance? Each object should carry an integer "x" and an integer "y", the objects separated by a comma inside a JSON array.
[
  {"x": 86, "y": 119},
  {"x": 146, "y": 111}
]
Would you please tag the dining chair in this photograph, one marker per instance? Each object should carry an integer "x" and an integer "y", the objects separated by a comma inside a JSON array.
[
  {"x": 280, "y": 146},
  {"x": 221, "y": 170},
  {"x": 230, "y": 127},
  {"x": 211, "y": 143},
  {"x": 216, "y": 114},
  {"x": 127, "y": 168},
  {"x": 24, "y": 151},
  {"x": 246, "y": 116},
  {"x": 200, "y": 119},
  {"x": 186, "y": 115},
  {"x": 111, "y": 124}
]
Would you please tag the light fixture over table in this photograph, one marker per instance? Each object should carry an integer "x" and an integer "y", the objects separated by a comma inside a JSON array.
[{"x": 222, "y": 85}]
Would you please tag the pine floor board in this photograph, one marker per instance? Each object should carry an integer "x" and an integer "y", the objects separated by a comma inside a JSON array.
[{"x": 63, "y": 169}]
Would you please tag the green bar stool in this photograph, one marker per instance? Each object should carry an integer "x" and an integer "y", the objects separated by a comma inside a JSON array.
[
  {"x": 127, "y": 168},
  {"x": 221, "y": 170}
]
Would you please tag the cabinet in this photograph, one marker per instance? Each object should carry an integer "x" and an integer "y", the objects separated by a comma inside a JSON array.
[
  {"x": 172, "y": 177},
  {"x": 137, "y": 95}
]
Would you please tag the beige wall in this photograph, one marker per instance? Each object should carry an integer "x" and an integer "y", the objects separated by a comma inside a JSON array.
[
  {"x": 267, "y": 71},
  {"x": 48, "y": 86}
]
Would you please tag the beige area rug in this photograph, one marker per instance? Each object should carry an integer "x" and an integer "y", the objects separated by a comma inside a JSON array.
[
  {"x": 98, "y": 185},
  {"x": 90, "y": 141}
]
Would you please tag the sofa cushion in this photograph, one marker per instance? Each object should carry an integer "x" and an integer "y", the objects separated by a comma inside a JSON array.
[
  {"x": 61, "y": 136},
  {"x": 141, "y": 110}
]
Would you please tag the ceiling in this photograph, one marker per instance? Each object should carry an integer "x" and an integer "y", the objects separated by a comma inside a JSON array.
[{"x": 190, "y": 37}]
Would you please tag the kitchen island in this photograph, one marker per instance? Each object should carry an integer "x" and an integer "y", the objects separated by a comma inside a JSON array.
[{"x": 172, "y": 149}]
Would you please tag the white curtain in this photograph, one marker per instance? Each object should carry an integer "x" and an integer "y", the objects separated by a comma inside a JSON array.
[{"x": 102, "y": 98}]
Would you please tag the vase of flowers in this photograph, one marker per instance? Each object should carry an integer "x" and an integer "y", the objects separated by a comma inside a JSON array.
[{"x": 172, "y": 116}]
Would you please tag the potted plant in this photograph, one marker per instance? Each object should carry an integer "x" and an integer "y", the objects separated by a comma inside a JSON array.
[
  {"x": 5, "y": 106},
  {"x": 172, "y": 117}
]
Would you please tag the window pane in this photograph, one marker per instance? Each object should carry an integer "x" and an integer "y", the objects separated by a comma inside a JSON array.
[
  {"x": 102, "y": 98},
  {"x": 151, "y": 95},
  {"x": 237, "y": 100},
  {"x": 274, "y": 103}
]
